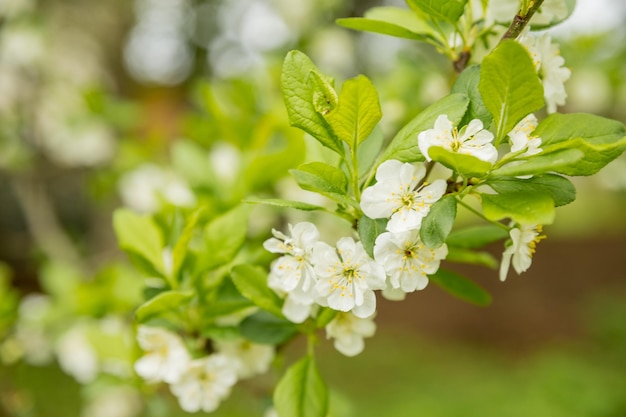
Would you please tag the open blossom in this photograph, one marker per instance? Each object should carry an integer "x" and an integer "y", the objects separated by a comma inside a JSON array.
[
  {"x": 348, "y": 332},
  {"x": 77, "y": 356},
  {"x": 521, "y": 137},
  {"x": 549, "y": 64},
  {"x": 347, "y": 277},
  {"x": 406, "y": 260},
  {"x": 472, "y": 139},
  {"x": 205, "y": 383},
  {"x": 398, "y": 196},
  {"x": 166, "y": 356},
  {"x": 293, "y": 272},
  {"x": 251, "y": 358},
  {"x": 524, "y": 239}
]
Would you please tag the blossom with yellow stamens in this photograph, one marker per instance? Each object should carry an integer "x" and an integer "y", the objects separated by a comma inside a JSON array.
[{"x": 520, "y": 248}]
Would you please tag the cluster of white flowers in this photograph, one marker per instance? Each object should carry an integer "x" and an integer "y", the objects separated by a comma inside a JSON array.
[
  {"x": 549, "y": 65},
  {"x": 311, "y": 273},
  {"x": 198, "y": 383}
]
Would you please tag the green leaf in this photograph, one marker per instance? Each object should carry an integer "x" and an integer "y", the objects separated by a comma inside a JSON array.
[
  {"x": 476, "y": 236},
  {"x": 465, "y": 256},
  {"x": 321, "y": 178},
  {"x": 225, "y": 235},
  {"x": 278, "y": 202},
  {"x": 447, "y": 10},
  {"x": 467, "y": 84},
  {"x": 403, "y": 146},
  {"x": 509, "y": 86},
  {"x": 437, "y": 224},
  {"x": 465, "y": 165},
  {"x": 301, "y": 95},
  {"x": 369, "y": 229},
  {"x": 140, "y": 235},
  {"x": 181, "y": 247},
  {"x": 225, "y": 301},
  {"x": 559, "y": 188},
  {"x": 522, "y": 207},
  {"x": 301, "y": 392},
  {"x": 538, "y": 164},
  {"x": 251, "y": 282},
  {"x": 265, "y": 328},
  {"x": 393, "y": 21},
  {"x": 162, "y": 303},
  {"x": 539, "y": 22},
  {"x": 600, "y": 140},
  {"x": 369, "y": 151},
  {"x": 461, "y": 287},
  {"x": 357, "y": 113},
  {"x": 324, "y": 95}
]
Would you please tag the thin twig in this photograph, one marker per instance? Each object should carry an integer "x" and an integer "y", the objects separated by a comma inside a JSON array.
[
  {"x": 42, "y": 221},
  {"x": 521, "y": 20}
]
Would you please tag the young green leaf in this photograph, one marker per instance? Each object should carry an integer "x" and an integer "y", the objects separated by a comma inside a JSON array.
[
  {"x": 437, "y": 224},
  {"x": 357, "y": 113},
  {"x": 301, "y": 392},
  {"x": 265, "y": 328},
  {"x": 559, "y": 188},
  {"x": 547, "y": 161},
  {"x": 278, "y": 202},
  {"x": 251, "y": 281},
  {"x": 369, "y": 229},
  {"x": 164, "y": 302},
  {"x": 476, "y": 236},
  {"x": 448, "y": 10},
  {"x": 225, "y": 235},
  {"x": 321, "y": 178},
  {"x": 140, "y": 235},
  {"x": 403, "y": 146},
  {"x": 392, "y": 21},
  {"x": 522, "y": 207},
  {"x": 467, "y": 84},
  {"x": 465, "y": 256},
  {"x": 369, "y": 150},
  {"x": 461, "y": 287},
  {"x": 509, "y": 86},
  {"x": 601, "y": 140},
  {"x": 181, "y": 247},
  {"x": 465, "y": 165},
  {"x": 300, "y": 97},
  {"x": 324, "y": 95}
]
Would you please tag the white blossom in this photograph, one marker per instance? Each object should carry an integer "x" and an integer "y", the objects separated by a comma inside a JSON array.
[
  {"x": 293, "y": 272},
  {"x": 76, "y": 355},
  {"x": 348, "y": 332},
  {"x": 521, "y": 136},
  {"x": 549, "y": 65},
  {"x": 144, "y": 188},
  {"x": 251, "y": 358},
  {"x": 406, "y": 260},
  {"x": 520, "y": 249},
  {"x": 205, "y": 383},
  {"x": 347, "y": 277},
  {"x": 472, "y": 139},
  {"x": 166, "y": 355},
  {"x": 122, "y": 401},
  {"x": 397, "y": 195}
]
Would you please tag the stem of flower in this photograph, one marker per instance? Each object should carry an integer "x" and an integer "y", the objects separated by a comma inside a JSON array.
[
  {"x": 521, "y": 20},
  {"x": 479, "y": 214}
]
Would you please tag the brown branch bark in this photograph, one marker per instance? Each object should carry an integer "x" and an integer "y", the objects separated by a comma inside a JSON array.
[{"x": 520, "y": 21}]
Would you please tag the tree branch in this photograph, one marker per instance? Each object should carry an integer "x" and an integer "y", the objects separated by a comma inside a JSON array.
[{"x": 521, "y": 20}]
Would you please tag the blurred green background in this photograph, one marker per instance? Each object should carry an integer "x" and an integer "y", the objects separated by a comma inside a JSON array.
[{"x": 92, "y": 91}]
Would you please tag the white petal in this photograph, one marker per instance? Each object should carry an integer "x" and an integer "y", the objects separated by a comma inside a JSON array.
[{"x": 368, "y": 307}]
